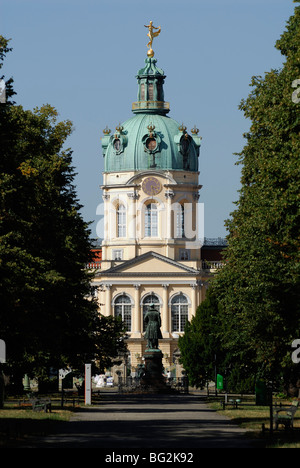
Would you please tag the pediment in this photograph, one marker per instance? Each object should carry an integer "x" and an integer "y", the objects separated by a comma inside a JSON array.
[{"x": 150, "y": 263}]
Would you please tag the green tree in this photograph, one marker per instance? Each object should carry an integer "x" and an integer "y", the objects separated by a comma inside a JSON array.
[
  {"x": 200, "y": 346},
  {"x": 259, "y": 286},
  {"x": 49, "y": 316}
]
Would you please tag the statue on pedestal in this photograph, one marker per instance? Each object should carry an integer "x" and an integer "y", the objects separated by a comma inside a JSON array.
[{"x": 153, "y": 322}]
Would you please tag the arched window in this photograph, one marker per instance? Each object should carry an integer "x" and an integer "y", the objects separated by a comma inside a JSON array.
[
  {"x": 122, "y": 308},
  {"x": 142, "y": 92},
  {"x": 121, "y": 221},
  {"x": 180, "y": 221},
  {"x": 151, "y": 220},
  {"x": 150, "y": 299},
  {"x": 179, "y": 312}
]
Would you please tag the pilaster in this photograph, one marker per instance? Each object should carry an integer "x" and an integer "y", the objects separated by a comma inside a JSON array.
[
  {"x": 136, "y": 333},
  {"x": 165, "y": 312},
  {"x": 108, "y": 306}
]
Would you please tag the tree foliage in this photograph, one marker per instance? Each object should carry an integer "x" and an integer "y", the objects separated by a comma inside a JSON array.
[
  {"x": 48, "y": 315},
  {"x": 251, "y": 315},
  {"x": 259, "y": 286},
  {"x": 199, "y": 346}
]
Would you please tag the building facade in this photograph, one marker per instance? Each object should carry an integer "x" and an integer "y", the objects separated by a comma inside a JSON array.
[{"x": 151, "y": 248}]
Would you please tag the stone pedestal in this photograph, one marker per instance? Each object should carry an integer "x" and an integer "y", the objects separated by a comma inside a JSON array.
[{"x": 153, "y": 378}]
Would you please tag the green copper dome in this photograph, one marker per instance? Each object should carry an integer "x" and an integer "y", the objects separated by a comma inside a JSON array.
[{"x": 150, "y": 140}]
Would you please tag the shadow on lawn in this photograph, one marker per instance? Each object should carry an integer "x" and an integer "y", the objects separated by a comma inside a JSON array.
[
  {"x": 15, "y": 429},
  {"x": 280, "y": 438}
]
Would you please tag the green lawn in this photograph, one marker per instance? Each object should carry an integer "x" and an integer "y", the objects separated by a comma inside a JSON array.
[
  {"x": 252, "y": 417},
  {"x": 18, "y": 423}
]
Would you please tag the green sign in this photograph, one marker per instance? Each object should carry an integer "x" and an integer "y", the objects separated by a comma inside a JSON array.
[{"x": 220, "y": 385}]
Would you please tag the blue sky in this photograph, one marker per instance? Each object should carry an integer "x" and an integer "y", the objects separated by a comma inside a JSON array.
[{"x": 82, "y": 56}]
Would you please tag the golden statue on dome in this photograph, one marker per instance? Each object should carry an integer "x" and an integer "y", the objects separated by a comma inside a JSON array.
[{"x": 152, "y": 34}]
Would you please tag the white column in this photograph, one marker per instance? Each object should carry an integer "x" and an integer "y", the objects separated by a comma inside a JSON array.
[
  {"x": 101, "y": 299},
  {"x": 194, "y": 301},
  {"x": 132, "y": 221},
  {"x": 108, "y": 307},
  {"x": 168, "y": 232},
  {"x": 137, "y": 313},
  {"x": 106, "y": 215},
  {"x": 106, "y": 198},
  {"x": 168, "y": 235}
]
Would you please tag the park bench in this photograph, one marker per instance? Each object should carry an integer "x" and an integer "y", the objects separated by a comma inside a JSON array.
[
  {"x": 286, "y": 419},
  {"x": 70, "y": 396},
  {"x": 231, "y": 402},
  {"x": 36, "y": 403},
  {"x": 25, "y": 403},
  {"x": 41, "y": 404}
]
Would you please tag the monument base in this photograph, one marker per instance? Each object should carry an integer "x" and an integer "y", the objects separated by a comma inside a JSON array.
[{"x": 153, "y": 378}]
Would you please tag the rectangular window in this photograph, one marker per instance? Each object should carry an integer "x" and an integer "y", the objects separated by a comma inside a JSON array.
[
  {"x": 180, "y": 222},
  {"x": 127, "y": 317},
  {"x": 151, "y": 220},
  {"x": 179, "y": 317},
  {"x": 121, "y": 220},
  {"x": 184, "y": 254},
  {"x": 117, "y": 254},
  {"x": 183, "y": 317},
  {"x": 175, "y": 318}
]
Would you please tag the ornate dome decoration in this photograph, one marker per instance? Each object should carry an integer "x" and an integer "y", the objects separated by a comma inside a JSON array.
[
  {"x": 150, "y": 140},
  {"x": 119, "y": 140}
]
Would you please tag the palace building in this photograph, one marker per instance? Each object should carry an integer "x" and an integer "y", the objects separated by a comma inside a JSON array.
[{"x": 151, "y": 251}]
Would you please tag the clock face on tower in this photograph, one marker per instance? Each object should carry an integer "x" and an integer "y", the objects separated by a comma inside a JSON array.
[{"x": 151, "y": 186}]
